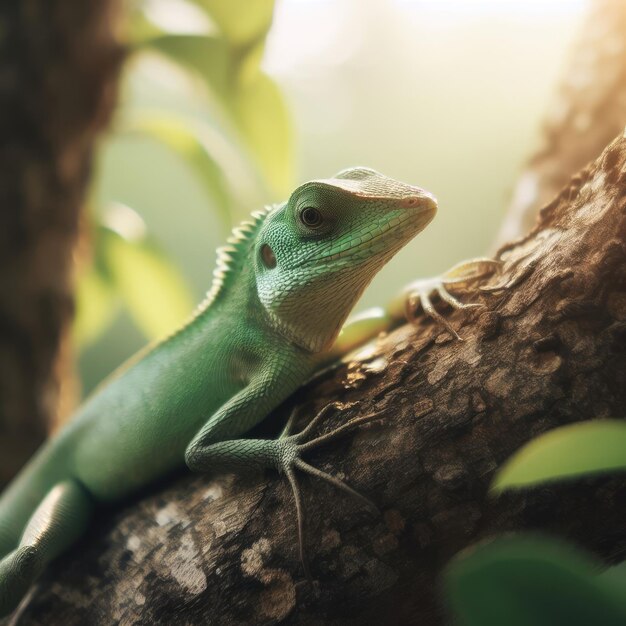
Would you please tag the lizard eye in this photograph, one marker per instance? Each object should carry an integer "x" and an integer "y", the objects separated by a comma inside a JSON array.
[
  {"x": 268, "y": 257},
  {"x": 311, "y": 217}
]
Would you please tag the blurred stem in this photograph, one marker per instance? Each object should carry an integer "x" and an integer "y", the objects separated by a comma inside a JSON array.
[{"x": 59, "y": 60}]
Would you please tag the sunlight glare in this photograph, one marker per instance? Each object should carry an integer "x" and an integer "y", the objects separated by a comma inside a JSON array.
[{"x": 495, "y": 6}]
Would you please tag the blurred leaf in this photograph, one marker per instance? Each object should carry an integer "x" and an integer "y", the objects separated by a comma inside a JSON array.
[
  {"x": 250, "y": 65},
  {"x": 532, "y": 582},
  {"x": 152, "y": 289},
  {"x": 207, "y": 55},
  {"x": 193, "y": 143},
  {"x": 96, "y": 306},
  {"x": 567, "y": 452},
  {"x": 250, "y": 97},
  {"x": 154, "y": 17},
  {"x": 263, "y": 119},
  {"x": 615, "y": 577},
  {"x": 241, "y": 21},
  {"x": 140, "y": 29}
]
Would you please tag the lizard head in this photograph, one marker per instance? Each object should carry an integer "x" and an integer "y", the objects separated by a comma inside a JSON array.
[{"x": 315, "y": 254}]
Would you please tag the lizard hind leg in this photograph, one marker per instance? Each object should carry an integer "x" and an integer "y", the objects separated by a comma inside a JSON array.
[
  {"x": 7, "y": 539},
  {"x": 57, "y": 522}
]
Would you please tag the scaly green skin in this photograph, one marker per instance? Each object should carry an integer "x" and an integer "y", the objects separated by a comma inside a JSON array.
[{"x": 282, "y": 292}]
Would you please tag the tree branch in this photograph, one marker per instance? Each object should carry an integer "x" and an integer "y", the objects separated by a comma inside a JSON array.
[
  {"x": 549, "y": 349},
  {"x": 588, "y": 110}
]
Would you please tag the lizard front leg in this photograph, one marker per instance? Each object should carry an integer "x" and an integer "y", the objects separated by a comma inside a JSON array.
[
  {"x": 366, "y": 326},
  {"x": 420, "y": 292},
  {"x": 218, "y": 446}
]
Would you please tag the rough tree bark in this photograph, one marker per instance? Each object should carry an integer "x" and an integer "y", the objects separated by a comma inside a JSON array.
[
  {"x": 587, "y": 112},
  {"x": 59, "y": 62},
  {"x": 548, "y": 349}
]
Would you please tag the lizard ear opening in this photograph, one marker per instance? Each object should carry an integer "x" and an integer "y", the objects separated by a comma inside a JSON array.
[{"x": 268, "y": 257}]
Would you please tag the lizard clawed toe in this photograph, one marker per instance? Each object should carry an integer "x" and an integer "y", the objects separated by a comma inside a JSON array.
[
  {"x": 461, "y": 275},
  {"x": 291, "y": 448}
]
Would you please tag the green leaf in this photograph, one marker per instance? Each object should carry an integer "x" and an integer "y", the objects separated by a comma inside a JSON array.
[
  {"x": 140, "y": 29},
  {"x": 260, "y": 110},
  {"x": 250, "y": 97},
  {"x": 262, "y": 116},
  {"x": 96, "y": 307},
  {"x": 207, "y": 55},
  {"x": 522, "y": 581},
  {"x": 249, "y": 67},
  {"x": 567, "y": 452},
  {"x": 241, "y": 21},
  {"x": 152, "y": 289},
  {"x": 193, "y": 142}
]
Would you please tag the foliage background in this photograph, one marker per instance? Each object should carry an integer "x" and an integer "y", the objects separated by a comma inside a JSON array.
[{"x": 446, "y": 94}]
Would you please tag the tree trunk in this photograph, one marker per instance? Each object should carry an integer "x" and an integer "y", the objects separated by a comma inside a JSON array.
[
  {"x": 58, "y": 67},
  {"x": 548, "y": 349}
]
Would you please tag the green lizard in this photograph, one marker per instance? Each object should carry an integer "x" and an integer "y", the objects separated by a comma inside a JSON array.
[{"x": 283, "y": 288}]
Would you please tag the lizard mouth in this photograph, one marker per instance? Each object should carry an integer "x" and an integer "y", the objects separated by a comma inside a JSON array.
[{"x": 399, "y": 227}]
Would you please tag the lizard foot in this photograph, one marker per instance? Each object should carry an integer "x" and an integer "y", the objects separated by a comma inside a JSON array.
[
  {"x": 459, "y": 277},
  {"x": 293, "y": 446},
  {"x": 18, "y": 571}
]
